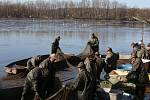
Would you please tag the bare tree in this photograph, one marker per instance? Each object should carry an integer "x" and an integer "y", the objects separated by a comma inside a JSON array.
[{"x": 89, "y": 9}]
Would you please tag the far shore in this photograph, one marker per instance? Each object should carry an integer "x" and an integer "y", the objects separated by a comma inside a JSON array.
[{"x": 76, "y": 19}]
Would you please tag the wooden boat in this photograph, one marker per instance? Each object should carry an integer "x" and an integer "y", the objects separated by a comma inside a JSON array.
[
  {"x": 12, "y": 89},
  {"x": 11, "y": 85},
  {"x": 123, "y": 59},
  {"x": 20, "y": 66}
]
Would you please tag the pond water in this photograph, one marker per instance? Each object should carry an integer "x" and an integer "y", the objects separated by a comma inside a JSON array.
[{"x": 20, "y": 39}]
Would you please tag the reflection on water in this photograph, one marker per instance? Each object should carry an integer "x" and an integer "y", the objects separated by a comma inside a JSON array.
[{"x": 24, "y": 38}]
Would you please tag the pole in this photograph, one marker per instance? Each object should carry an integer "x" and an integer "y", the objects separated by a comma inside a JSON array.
[
  {"x": 143, "y": 24},
  {"x": 142, "y": 32}
]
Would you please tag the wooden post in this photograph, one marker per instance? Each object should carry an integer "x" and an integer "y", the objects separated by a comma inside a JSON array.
[{"x": 142, "y": 33}]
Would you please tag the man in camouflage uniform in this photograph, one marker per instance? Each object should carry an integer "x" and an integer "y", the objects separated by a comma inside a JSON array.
[
  {"x": 90, "y": 64},
  {"x": 39, "y": 79},
  {"x": 110, "y": 60},
  {"x": 140, "y": 75},
  {"x": 136, "y": 63},
  {"x": 142, "y": 52},
  {"x": 148, "y": 51},
  {"x": 33, "y": 62},
  {"x": 94, "y": 43},
  {"x": 83, "y": 84},
  {"x": 100, "y": 64},
  {"x": 55, "y": 45}
]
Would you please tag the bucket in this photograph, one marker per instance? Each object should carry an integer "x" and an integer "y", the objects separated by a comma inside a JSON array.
[{"x": 115, "y": 96}]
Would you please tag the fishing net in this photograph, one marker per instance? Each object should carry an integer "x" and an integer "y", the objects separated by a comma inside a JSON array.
[
  {"x": 86, "y": 51},
  {"x": 126, "y": 87},
  {"x": 64, "y": 93},
  {"x": 62, "y": 55}
]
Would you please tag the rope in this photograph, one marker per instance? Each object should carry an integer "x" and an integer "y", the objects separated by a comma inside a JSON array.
[
  {"x": 65, "y": 93},
  {"x": 57, "y": 95},
  {"x": 63, "y": 55}
]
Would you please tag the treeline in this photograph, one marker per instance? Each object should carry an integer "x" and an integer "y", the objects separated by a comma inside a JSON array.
[{"x": 85, "y": 9}]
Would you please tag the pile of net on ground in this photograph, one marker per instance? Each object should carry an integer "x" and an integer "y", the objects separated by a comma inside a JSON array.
[{"x": 64, "y": 93}]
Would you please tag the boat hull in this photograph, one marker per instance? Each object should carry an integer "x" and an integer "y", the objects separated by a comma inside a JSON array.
[
  {"x": 61, "y": 63},
  {"x": 12, "y": 89}
]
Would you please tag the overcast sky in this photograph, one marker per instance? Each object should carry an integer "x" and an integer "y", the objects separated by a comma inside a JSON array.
[
  {"x": 136, "y": 3},
  {"x": 130, "y": 3}
]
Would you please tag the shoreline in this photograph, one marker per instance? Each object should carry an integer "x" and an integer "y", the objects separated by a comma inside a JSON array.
[
  {"x": 66, "y": 19},
  {"x": 104, "y": 21}
]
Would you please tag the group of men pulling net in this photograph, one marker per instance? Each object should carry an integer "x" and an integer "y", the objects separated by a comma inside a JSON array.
[
  {"x": 89, "y": 70},
  {"x": 84, "y": 87},
  {"x": 41, "y": 74}
]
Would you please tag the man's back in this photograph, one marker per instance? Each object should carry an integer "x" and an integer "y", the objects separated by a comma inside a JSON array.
[
  {"x": 137, "y": 64},
  {"x": 85, "y": 84},
  {"x": 55, "y": 45},
  {"x": 111, "y": 60},
  {"x": 33, "y": 62}
]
